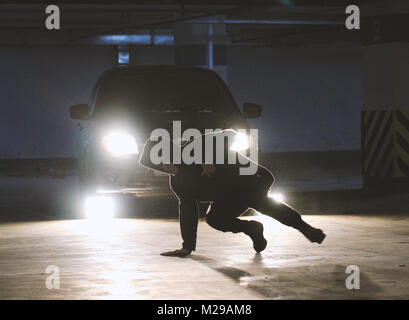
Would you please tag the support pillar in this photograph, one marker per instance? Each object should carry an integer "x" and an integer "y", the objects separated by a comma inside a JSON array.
[
  {"x": 385, "y": 114},
  {"x": 201, "y": 44}
]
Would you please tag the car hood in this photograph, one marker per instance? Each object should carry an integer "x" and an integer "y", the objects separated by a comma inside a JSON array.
[{"x": 142, "y": 124}]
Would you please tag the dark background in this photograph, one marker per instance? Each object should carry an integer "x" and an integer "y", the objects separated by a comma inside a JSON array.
[{"x": 330, "y": 95}]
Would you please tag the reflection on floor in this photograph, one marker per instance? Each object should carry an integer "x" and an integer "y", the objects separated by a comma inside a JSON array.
[{"x": 120, "y": 259}]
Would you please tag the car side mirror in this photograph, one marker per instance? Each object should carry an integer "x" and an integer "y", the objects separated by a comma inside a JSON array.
[
  {"x": 79, "y": 111},
  {"x": 251, "y": 110}
]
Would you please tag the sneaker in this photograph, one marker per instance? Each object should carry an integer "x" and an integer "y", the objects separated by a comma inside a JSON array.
[
  {"x": 314, "y": 235},
  {"x": 256, "y": 234}
]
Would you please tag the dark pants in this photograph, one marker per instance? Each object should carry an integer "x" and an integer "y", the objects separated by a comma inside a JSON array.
[
  {"x": 223, "y": 214},
  {"x": 230, "y": 198}
]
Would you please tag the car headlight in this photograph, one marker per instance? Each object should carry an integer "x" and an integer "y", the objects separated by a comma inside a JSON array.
[
  {"x": 120, "y": 144},
  {"x": 99, "y": 208},
  {"x": 278, "y": 197},
  {"x": 241, "y": 142}
]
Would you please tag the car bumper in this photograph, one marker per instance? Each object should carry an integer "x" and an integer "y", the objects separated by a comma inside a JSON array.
[{"x": 127, "y": 176}]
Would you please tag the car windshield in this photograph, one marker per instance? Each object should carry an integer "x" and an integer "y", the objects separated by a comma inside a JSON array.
[{"x": 164, "y": 92}]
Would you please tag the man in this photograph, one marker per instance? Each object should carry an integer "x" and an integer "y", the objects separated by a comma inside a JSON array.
[{"x": 229, "y": 193}]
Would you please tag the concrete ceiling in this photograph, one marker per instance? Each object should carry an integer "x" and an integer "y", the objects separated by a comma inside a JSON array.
[{"x": 264, "y": 23}]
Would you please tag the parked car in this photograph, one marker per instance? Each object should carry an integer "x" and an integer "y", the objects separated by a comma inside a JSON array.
[{"x": 127, "y": 103}]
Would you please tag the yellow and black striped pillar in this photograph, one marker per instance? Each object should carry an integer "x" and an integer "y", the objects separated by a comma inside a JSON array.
[
  {"x": 385, "y": 146},
  {"x": 402, "y": 142}
]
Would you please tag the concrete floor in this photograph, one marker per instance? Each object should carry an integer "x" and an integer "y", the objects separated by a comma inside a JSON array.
[
  {"x": 121, "y": 260},
  {"x": 39, "y": 227}
]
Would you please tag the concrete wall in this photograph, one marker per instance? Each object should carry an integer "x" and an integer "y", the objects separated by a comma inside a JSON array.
[
  {"x": 38, "y": 84},
  {"x": 152, "y": 55},
  {"x": 386, "y": 74},
  {"x": 312, "y": 96}
]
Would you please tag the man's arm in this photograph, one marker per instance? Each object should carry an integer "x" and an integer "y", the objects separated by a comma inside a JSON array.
[{"x": 188, "y": 218}]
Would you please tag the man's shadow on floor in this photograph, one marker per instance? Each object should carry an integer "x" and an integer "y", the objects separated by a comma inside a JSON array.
[
  {"x": 334, "y": 288},
  {"x": 233, "y": 273}
]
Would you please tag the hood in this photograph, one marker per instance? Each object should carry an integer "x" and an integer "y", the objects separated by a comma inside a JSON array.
[
  {"x": 145, "y": 158},
  {"x": 146, "y": 161}
]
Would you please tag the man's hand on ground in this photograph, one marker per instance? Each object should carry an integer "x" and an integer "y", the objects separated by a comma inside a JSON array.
[{"x": 176, "y": 253}]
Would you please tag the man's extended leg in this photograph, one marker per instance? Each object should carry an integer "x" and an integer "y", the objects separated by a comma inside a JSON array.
[
  {"x": 223, "y": 216},
  {"x": 288, "y": 216}
]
